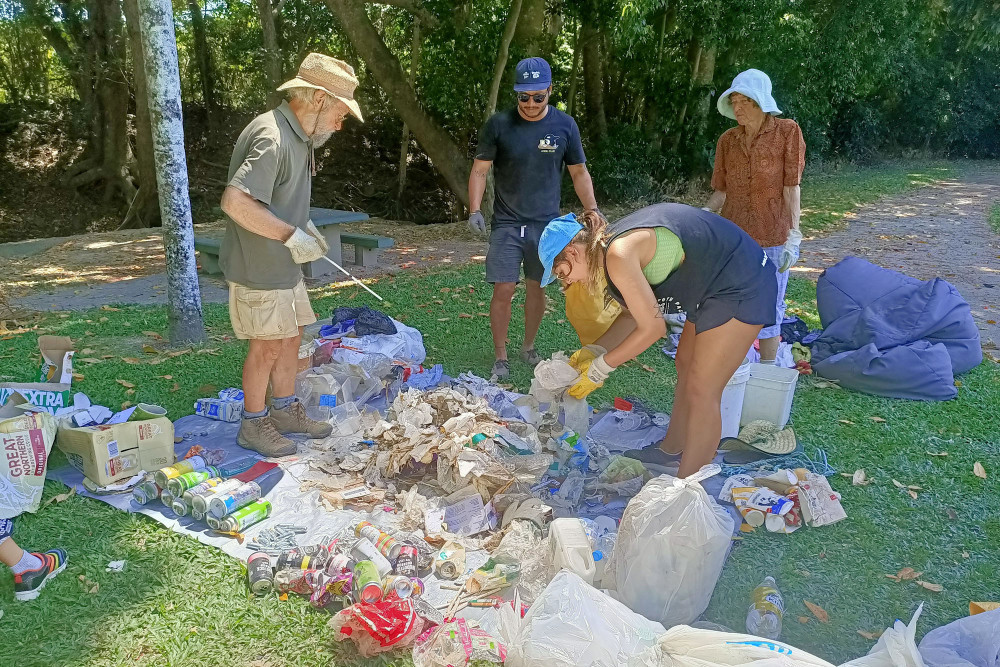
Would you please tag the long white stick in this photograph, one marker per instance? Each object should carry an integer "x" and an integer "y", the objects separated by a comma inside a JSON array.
[{"x": 344, "y": 271}]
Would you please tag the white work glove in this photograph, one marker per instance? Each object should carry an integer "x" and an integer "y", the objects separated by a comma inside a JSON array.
[
  {"x": 599, "y": 370},
  {"x": 790, "y": 253},
  {"x": 304, "y": 247},
  {"x": 477, "y": 223},
  {"x": 316, "y": 234}
]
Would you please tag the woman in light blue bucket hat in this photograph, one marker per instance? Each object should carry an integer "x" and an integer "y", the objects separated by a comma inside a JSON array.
[{"x": 758, "y": 168}]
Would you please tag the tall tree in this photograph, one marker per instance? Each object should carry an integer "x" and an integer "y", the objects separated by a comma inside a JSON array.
[
  {"x": 144, "y": 210},
  {"x": 272, "y": 52},
  {"x": 186, "y": 323},
  {"x": 203, "y": 56},
  {"x": 450, "y": 161},
  {"x": 593, "y": 72},
  {"x": 404, "y": 142}
]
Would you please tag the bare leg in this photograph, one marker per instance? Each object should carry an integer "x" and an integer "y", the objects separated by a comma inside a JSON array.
[
  {"x": 10, "y": 553},
  {"x": 673, "y": 443},
  {"x": 718, "y": 353},
  {"x": 257, "y": 368},
  {"x": 769, "y": 348},
  {"x": 503, "y": 294},
  {"x": 534, "y": 310},
  {"x": 285, "y": 366}
]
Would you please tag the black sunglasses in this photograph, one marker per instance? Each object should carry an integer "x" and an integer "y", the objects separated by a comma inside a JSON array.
[{"x": 538, "y": 97}]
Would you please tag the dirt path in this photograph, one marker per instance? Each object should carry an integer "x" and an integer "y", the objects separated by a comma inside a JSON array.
[{"x": 939, "y": 230}]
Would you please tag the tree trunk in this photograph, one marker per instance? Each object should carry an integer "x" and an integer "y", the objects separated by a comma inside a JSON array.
[
  {"x": 593, "y": 74},
  {"x": 531, "y": 36},
  {"x": 404, "y": 142},
  {"x": 450, "y": 161},
  {"x": 204, "y": 58},
  {"x": 145, "y": 208},
  {"x": 501, "y": 62},
  {"x": 186, "y": 324},
  {"x": 574, "y": 75},
  {"x": 272, "y": 53}
]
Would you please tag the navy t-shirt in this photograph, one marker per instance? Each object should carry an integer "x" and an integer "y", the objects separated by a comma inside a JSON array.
[{"x": 527, "y": 161}]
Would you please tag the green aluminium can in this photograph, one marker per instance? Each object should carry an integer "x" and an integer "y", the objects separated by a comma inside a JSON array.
[
  {"x": 146, "y": 492},
  {"x": 246, "y": 516},
  {"x": 367, "y": 584},
  {"x": 178, "y": 485},
  {"x": 200, "y": 500},
  {"x": 200, "y": 488},
  {"x": 176, "y": 470}
]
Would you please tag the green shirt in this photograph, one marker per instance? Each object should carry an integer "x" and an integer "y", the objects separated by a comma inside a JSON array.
[{"x": 271, "y": 163}]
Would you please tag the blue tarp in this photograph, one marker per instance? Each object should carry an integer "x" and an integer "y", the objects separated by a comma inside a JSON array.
[{"x": 887, "y": 334}]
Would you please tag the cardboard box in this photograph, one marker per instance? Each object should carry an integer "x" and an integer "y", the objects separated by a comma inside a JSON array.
[
  {"x": 107, "y": 454},
  {"x": 57, "y": 359},
  {"x": 46, "y": 396}
]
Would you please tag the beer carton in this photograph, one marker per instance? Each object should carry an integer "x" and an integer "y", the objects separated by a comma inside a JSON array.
[{"x": 112, "y": 452}]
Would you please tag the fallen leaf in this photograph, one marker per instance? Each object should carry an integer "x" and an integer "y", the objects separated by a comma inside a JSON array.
[
  {"x": 94, "y": 589},
  {"x": 465, "y": 315},
  {"x": 804, "y": 619},
  {"x": 126, "y": 405},
  {"x": 952, "y": 514},
  {"x": 107, "y": 356},
  {"x": 914, "y": 487},
  {"x": 958, "y": 383},
  {"x": 77, "y": 377},
  {"x": 966, "y": 554},
  {"x": 110, "y": 308},
  {"x": 860, "y": 478},
  {"x": 129, "y": 392},
  {"x": 86, "y": 350},
  {"x": 177, "y": 353},
  {"x": 870, "y": 636},
  {"x": 90, "y": 360},
  {"x": 483, "y": 314},
  {"x": 175, "y": 387},
  {"x": 167, "y": 377},
  {"x": 209, "y": 350},
  {"x": 152, "y": 334},
  {"x": 877, "y": 420},
  {"x": 648, "y": 369},
  {"x": 439, "y": 302},
  {"x": 937, "y": 453},
  {"x": 899, "y": 485},
  {"x": 937, "y": 588},
  {"x": 822, "y": 554},
  {"x": 826, "y": 384},
  {"x": 913, "y": 494},
  {"x": 131, "y": 360},
  {"x": 979, "y": 470},
  {"x": 443, "y": 319},
  {"x": 61, "y": 497},
  {"x": 149, "y": 349},
  {"x": 817, "y": 611},
  {"x": 103, "y": 319},
  {"x": 846, "y": 421},
  {"x": 126, "y": 384},
  {"x": 907, "y": 573}
]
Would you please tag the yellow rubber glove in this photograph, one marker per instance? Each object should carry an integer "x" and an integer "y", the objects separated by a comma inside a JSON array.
[
  {"x": 582, "y": 358},
  {"x": 583, "y": 387},
  {"x": 592, "y": 377}
]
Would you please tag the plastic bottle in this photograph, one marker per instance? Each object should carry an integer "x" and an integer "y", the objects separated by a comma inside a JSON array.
[
  {"x": 569, "y": 547},
  {"x": 604, "y": 546},
  {"x": 766, "y": 610}
]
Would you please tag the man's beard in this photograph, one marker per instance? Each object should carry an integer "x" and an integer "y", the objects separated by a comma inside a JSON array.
[{"x": 321, "y": 138}]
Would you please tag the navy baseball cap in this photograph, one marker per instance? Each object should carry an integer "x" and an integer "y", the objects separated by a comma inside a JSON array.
[{"x": 532, "y": 74}]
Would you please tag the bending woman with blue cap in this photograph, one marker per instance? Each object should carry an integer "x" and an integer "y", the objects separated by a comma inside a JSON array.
[{"x": 659, "y": 260}]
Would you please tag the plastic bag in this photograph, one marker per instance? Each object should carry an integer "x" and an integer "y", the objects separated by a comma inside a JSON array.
[
  {"x": 455, "y": 644},
  {"x": 973, "y": 641},
  {"x": 26, "y": 440},
  {"x": 672, "y": 544},
  {"x": 378, "y": 627},
  {"x": 572, "y": 624},
  {"x": 897, "y": 647},
  {"x": 684, "y": 646}
]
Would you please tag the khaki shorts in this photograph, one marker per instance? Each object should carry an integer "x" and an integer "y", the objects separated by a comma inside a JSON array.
[{"x": 269, "y": 314}]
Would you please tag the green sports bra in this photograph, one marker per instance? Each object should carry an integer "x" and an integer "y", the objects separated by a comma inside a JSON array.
[{"x": 668, "y": 256}]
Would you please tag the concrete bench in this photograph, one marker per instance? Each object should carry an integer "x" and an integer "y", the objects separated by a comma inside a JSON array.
[
  {"x": 366, "y": 247},
  {"x": 209, "y": 249}
]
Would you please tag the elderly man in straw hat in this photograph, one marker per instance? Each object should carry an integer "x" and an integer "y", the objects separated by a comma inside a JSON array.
[{"x": 269, "y": 235}]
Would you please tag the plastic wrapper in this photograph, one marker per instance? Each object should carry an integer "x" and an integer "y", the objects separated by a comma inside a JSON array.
[
  {"x": 455, "y": 644},
  {"x": 572, "y": 624},
  {"x": 26, "y": 439},
  {"x": 378, "y": 627},
  {"x": 897, "y": 647},
  {"x": 523, "y": 545},
  {"x": 685, "y": 646},
  {"x": 973, "y": 641},
  {"x": 672, "y": 543}
]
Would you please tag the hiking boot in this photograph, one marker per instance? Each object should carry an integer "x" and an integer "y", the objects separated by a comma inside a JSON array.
[
  {"x": 530, "y": 357},
  {"x": 501, "y": 368},
  {"x": 293, "y": 419},
  {"x": 260, "y": 435},
  {"x": 29, "y": 584}
]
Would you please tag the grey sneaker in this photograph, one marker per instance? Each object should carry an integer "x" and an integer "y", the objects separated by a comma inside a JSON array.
[
  {"x": 501, "y": 368},
  {"x": 293, "y": 419},
  {"x": 260, "y": 435},
  {"x": 530, "y": 357}
]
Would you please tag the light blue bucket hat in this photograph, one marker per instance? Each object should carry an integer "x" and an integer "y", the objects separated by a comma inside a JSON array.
[{"x": 753, "y": 84}]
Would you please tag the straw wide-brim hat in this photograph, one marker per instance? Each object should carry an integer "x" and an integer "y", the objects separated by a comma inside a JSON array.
[{"x": 334, "y": 77}]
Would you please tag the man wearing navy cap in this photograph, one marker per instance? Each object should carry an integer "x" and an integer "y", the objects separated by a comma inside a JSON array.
[{"x": 528, "y": 144}]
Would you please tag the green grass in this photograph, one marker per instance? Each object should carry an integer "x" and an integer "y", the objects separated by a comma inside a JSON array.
[
  {"x": 831, "y": 193},
  {"x": 994, "y": 217},
  {"x": 181, "y": 603}
]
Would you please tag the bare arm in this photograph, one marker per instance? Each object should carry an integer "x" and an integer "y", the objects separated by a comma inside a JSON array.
[
  {"x": 477, "y": 183},
  {"x": 583, "y": 185},
  {"x": 793, "y": 200},
  {"x": 619, "y": 330},
  {"x": 253, "y": 216},
  {"x": 626, "y": 273},
  {"x": 716, "y": 201}
]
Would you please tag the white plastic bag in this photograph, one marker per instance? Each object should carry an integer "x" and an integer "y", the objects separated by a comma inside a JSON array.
[
  {"x": 684, "y": 646},
  {"x": 572, "y": 624},
  {"x": 672, "y": 544},
  {"x": 897, "y": 647},
  {"x": 973, "y": 641}
]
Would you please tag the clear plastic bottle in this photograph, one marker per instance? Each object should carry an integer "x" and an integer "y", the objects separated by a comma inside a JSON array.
[
  {"x": 604, "y": 546},
  {"x": 766, "y": 610}
]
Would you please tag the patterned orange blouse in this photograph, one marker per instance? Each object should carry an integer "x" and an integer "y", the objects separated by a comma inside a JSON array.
[{"x": 753, "y": 181}]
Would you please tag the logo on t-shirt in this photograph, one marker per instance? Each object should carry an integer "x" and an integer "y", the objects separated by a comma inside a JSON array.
[
  {"x": 549, "y": 143},
  {"x": 669, "y": 306}
]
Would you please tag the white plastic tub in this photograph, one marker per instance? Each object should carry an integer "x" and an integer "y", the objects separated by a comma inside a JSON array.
[
  {"x": 732, "y": 400},
  {"x": 768, "y": 395}
]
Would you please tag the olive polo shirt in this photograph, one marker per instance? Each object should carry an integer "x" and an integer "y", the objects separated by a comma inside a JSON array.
[{"x": 271, "y": 163}]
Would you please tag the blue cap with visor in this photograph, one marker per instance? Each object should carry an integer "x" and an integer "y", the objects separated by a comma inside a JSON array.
[{"x": 558, "y": 234}]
